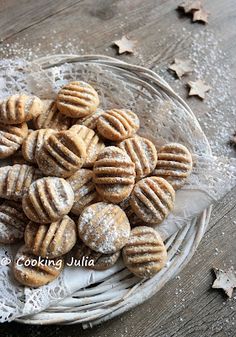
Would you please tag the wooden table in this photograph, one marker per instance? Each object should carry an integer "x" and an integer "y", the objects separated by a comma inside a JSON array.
[{"x": 187, "y": 306}]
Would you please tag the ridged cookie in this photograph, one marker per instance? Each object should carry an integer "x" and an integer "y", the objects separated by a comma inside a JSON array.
[
  {"x": 77, "y": 99},
  {"x": 117, "y": 124},
  {"x": 104, "y": 227},
  {"x": 152, "y": 199},
  {"x": 114, "y": 174},
  {"x": 144, "y": 254},
  {"x": 48, "y": 199},
  {"x": 11, "y": 138},
  {"x": 91, "y": 120}
]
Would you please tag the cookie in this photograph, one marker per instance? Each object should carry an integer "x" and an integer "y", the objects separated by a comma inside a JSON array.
[
  {"x": 52, "y": 240},
  {"x": 143, "y": 154},
  {"x": 144, "y": 254},
  {"x": 104, "y": 227},
  {"x": 114, "y": 174},
  {"x": 33, "y": 143},
  {"x": 15, "y": 180},
  {"x": 77, "y": 99},
  {"x": 174, "y": 164},
  {"x": 62, "y": 154},
  {"x": 17, "y": 109},
  {"x": 48, "y": 199},
  {"x": 51, "y": 118},
  {"x": 11, "y": 138},
  {"x": 99, "y": 261},
  {"x": 117, "y": 124},
  {"x": 133, "y": 218},
  {"x": 33, "y": 271},
  {"x": 84, "y": 190},
  {"x": 91, "y": 120},
  {"x": 12, "y": 222},
  {"x": 152, "y": 199},
  {"x": 94, "y": 144}
]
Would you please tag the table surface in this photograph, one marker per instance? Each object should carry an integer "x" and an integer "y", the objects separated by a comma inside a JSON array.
[{"x": 186, "y": 306}]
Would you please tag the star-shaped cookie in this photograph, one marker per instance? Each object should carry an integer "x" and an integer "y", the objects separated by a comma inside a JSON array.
[
  {"x": 198, "y": 88},
  {"x": 225, "y": 280},
  {"x": 181, "y": 67},
  {"x": 125, "y": 45}
]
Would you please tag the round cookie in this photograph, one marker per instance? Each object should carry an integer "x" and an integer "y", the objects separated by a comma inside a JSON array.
[
  {"x": 152, "y": 199},
  {"x": 174, "y": 164},
  {"x": 32, "y": 271},
  {"x": 84, "y": 190},
  {"x": 143, "y": 154},
  {"x": 114, "y": 174},
  {"x": 91, "y": 120},
  {"x": 144, "y": 254},
  {"x": 48, "y": 199},
  {"x": 62, "y": 154},
  {"x": 52, "y": 240},
  {"x": 94, "y": 144},
  {"x": 133, "y": 218},
  {"x": 33, "y": 143},
  {"x": 12, "y": 222},
  {"x": 11, "y": 138},
  {"x": 104, "y": 227},
  {"x": 117, "y": 124},
  {"x": 77, "y": 99},
  {"x": 17, "y": 109}
]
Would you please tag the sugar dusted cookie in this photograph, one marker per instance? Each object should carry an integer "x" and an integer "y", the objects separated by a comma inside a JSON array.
[
  {"x": 174, "y": 164},
  {"x": 84, "y": 190},
  {"x": 32, "y": 271},
  {"x": 104, "y": 227},
  {"x": 62, "y": 154},
  {"x": 93, "y": 142},
  {"x": 143, "y": 154},
  {"x": 144, "y": 254},
  {"x": 117, "y": 124},
  {"x": 17, "y": 109},
  {"x": 152, "y": 199},
  {"x": 77, "y": 99},
  {"x": 91, "y": 120},
  {"x": 53, "y": 240},
  {"x": 11, "y": 138},
  {"x": 114, "y": 174},
  {"x": 12, "y": 222},
  {"x": 48, "y": 199}
]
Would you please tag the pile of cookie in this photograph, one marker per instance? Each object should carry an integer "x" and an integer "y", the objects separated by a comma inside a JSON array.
[{"x": 83, "y": 182}]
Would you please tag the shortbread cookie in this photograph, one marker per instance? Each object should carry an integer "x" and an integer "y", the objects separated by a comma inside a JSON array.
[
  {"x": 96, "y": 260},
  {"x": 174, "y": 164},
  {"x": 12, "y": 222},
  {"x": 143, "y": 154},
  {"x": 114, "y": 174},
  {"x": 133, "y": 218},
  {"x": 91, "y": 120},
  {"x": 94, "y": 144},
  {"x": 144, "y": 254},
  {"x": 62, "y": 154},
  {"x": 17, "y": 109},
  {"x": 77, "y": 99},
  {"x": 33, "y": 143},
  {"x": 117, "y": 124},
  {"x": 52, "y": 240},
  {"x": 34, "y": 271},
  {"x": 84, "y": 190},
  {"x": 48, "y": 199},
  {"x": 11, "y": 138},
  {"x": 152, "y": 199},
  {"x": 15, "y": 180},
  {"x": 51, "y": 118},
  {"x": 104, "y": 227}
]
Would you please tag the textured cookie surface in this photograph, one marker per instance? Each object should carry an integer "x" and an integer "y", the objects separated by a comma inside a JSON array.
[
  {"x": 117, "y": 124},
  {"x": 145, "y": 253},
  {"x": 62, "y": 154},
  {"x": 114, "y": 174},
  {"x": 143, "y": 154},
  {"x": 52, "y": 240},
  {"x": 48, "y": 199},
  {"x": 77, "y": 99},
  {"x": 104, "y": 227},
  {"x": 17, "y": 109},
  {"x": 174, "y": 164},
  {"x": 91, "y": 120},
  {"x": 152, "y": 199},
  {"x": 11, "y": 138}
]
